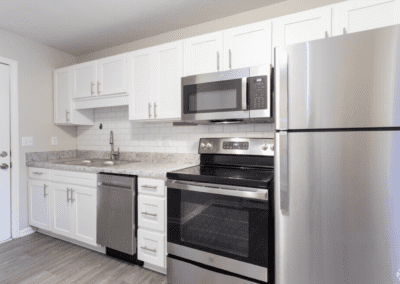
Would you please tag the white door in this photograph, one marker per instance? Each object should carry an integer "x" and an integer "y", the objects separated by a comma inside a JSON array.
[
  {"x": 248, "y": 45},
  {"x": 84, "y": 202},
  {"x": 84, "y": 81},
  {"x": 39, "y": 204},
  {"x": 168, "y": 74},
  {"x": 112, "y": 75},
  {"x": 301, "y": 27},
  {"x": 204, "y": 54},
  {"x": 62, "y": 95},
  {"x": 141, "y": 95},
  {"x": 62, "y": 213},
  {"x": 5, "y": 172},
  {"x": 360, "y": 15}
]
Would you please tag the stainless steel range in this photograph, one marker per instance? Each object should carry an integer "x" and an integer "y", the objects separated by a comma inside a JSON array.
[{"x": 220, "y": 214}]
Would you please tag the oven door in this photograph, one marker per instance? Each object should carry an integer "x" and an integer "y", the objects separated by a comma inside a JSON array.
[
  {"x": 226, "y": 227},
  {"x": 215, "y": 96}
]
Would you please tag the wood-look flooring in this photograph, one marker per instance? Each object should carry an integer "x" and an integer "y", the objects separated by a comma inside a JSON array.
[{"x": 38, "y": 258}]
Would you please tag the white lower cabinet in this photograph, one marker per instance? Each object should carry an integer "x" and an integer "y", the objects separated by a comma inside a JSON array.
[
  {"x": 151, "y": 247},
  {"x": 39, "y": 203},
  {"x": 151, "y": 213},
  {"x": 62, "y": 212}
]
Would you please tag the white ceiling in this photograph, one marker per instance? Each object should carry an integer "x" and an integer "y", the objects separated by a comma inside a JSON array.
[{"x": 82, "y": 26}]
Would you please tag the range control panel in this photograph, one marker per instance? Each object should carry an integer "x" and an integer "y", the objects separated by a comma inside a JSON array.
[
  {"x": 237, "y": 146},
  {"x": 258, "y": 92}
]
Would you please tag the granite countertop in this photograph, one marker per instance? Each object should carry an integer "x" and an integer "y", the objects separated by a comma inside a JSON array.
[{"x": 138, "y": 168}]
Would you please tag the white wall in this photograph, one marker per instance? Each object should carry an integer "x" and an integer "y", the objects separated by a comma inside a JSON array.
[
  {"x": 35, "y": 85},
  {"x": 156, "y": 137}
]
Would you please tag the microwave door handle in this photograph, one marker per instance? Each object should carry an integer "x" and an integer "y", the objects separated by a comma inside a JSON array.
[{"x": 244, "y": 94}]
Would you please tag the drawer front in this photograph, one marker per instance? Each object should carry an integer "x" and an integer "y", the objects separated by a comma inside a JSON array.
[
  {"x": 86, "y": 179},
  {"x": 151, "y": 213},
  {"x": 151, "y": 248},
  {"x": 39, "y": 173},
  {"x": 151, "y": 186}
]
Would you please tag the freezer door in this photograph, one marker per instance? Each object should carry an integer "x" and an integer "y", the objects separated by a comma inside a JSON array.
[
  {"x": 349, "y": 81},
  {"x": 342, "y": 220}
]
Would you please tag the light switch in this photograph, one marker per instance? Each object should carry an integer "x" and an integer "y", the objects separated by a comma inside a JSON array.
[
  {"x": 27, "y": 141},
  {"x": 54, "y": 141}
]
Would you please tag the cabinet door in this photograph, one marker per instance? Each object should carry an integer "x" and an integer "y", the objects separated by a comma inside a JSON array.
[
  {"x": 361, "y": 15},
  {"x": 151, "y": 248},
  {"x": 62, "y": 213},
  {"x": 168, "y": 74},
  {"x": 85, "y": 215},
  {"x": 151, "y": 213},
  {"x": 39, "y": 204},
  {"x": 84, "y": 80},
  {"x": 204, "y": 54},
  {"x": 301, "y": 27},
  {"x": 141, "y": 95},
  {"x": 248, "y": 45},
  {"x": 112, "y": 75},
  {"x": 62, "y": 95}
]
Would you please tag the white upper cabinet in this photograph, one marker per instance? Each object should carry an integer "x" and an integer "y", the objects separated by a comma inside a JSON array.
[
  {"x": 84, "y": 80},
  {"x": 168, "y": 74},
  {"x": 301, "y": 27},
  {"x": 141, "y": 86},
  {"x": 360, "y": 15},
  {"x": 204, "y": 54},
  {"x": 112, "y": 75},
  {"x": 64, "y": 113},
  {"x": 247, "y": 46}
]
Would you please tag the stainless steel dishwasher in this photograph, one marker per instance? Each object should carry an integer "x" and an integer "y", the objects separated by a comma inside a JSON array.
[{"x": 116, "y": 215}]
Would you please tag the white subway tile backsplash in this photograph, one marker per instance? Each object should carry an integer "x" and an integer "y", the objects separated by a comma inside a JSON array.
[{"x": 159, "y": 137}]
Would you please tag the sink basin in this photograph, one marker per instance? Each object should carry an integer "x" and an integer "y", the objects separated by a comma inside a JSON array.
[{"x": 96, "y": 163}]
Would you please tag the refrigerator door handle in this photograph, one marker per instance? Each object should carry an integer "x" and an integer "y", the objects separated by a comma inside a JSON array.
[
  {"x": 281, "y": 89},
  {"x": 282, "y": 167}
]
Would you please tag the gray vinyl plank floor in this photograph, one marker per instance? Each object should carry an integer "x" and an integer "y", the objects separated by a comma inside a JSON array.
[{"x": 38, "y": 258}]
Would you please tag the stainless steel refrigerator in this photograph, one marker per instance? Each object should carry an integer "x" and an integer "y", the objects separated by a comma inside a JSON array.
[{"x": 337, "y": 160}]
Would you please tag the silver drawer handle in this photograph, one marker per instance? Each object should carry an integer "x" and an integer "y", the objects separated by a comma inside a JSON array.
[
  {"x": 37, "y": 173},
  {"x": 148, "y": 186},
  {"x": 152, "y": 250},
  {"x": 145, "y": 213}
]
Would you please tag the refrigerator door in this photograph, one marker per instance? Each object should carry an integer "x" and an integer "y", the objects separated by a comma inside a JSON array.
[
  {"x": 349, "y": 81},
  {"x": 341, "y": 223}
]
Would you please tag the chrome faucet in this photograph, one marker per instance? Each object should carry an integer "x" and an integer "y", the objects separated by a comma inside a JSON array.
[{"x": 114, "y": 155}]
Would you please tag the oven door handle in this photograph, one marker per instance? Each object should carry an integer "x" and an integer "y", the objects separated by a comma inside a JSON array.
[{"x": 236, "y": 191}]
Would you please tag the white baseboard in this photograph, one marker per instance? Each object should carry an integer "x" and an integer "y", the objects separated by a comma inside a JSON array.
[
  {"x": 155, "y": 268},
  {"x": 26, "y": 232}
]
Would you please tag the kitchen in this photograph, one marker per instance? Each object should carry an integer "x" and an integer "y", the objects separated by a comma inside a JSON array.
[{"x": 67, "y": 110}]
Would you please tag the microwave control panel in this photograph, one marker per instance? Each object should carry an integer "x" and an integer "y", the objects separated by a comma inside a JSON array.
[{"x": 257, "y": 89}]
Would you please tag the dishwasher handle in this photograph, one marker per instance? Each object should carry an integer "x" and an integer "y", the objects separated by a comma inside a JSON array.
[{"x": 113, "y": 187}]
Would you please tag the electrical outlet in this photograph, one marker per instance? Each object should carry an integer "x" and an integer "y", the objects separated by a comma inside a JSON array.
[
  {"x": 54, "y": 141},
  {"x": 27, "y": 141}
]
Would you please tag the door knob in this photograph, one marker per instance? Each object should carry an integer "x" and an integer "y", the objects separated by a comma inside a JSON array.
[
  {"x": 4, "y": 166},
  {"x": 3, "y": 154}
]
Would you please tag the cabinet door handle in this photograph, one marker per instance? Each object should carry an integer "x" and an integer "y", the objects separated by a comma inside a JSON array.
[
  {"x": 344, "y": 31},
  {"x": 149, "y": 110},
  {"x": 152, "y": 250},
  {"x": 67, "y": 195},
  {"x": 230, "y": 59},
  {"x": 98, "y": 87},
  {"x": 72, "y": 193},
  {"x": 44, "y": 190},
  {"x": 145, "y": 213},
  {"x": 148, "y": 186},
  {"x": 326, "y": 34},
  {"x": 91, "y": 88},
  {"x": 218, "y": 60},
  {"x": 66, "y": 113},
  {"x": 37, "y": 173},
  {"x": 155, "y": 112}
]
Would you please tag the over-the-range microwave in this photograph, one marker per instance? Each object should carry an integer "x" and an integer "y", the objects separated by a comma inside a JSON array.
[{"x": 239, "y": 95}]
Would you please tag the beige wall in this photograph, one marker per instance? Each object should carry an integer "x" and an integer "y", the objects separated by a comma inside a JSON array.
[
  {"x": 269, "y": 12},
  {"x": 35, "y": 85}
]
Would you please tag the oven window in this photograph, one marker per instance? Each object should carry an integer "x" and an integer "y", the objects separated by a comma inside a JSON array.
[
  {"x": 229, "y": 226},
  {"x": 214, "y": 96}
]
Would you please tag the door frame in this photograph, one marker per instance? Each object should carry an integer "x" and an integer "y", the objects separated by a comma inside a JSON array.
[{"x": 14, "y": 121}]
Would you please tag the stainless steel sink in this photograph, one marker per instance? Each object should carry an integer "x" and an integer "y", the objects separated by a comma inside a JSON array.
[{"x": 96, "y": 163}]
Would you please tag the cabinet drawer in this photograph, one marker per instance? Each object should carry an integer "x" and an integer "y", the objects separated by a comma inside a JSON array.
[
  {"x": 151, "y": 248},
  {"x": 39, "y": 173},
  {"x": 151, "y": 212},
  {"x": 151, "y": 186},
  {"x": 86, "y": 179}
]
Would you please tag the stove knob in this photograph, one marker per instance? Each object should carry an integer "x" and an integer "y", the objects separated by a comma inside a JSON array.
[
  {"x": 202, "y": 145},
  {"x": 209, "y": 146},
  {"x": 272, "y": 147},
  {"x": 264, "y": 147}
]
